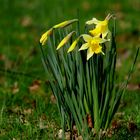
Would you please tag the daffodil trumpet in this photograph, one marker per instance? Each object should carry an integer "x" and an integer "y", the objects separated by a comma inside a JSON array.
[
  {"x": 93, "y": 44},
  {"x": 101, "y": 28}
]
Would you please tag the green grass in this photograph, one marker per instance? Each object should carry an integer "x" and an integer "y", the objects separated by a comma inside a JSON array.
[
  {"x": 22, "y": 23},
  {"x": 28, "y": 115}
]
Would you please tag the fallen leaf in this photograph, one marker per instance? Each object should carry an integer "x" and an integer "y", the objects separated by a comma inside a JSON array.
[
  {"x": 26, "y": 21},
  {"x": 35, "y": 85},
  {"x": 115, "y": 124},
  {"x": 132, "y": 86},
  {"x": 27, "y": 111},
  {"x": 53, "y": 99},
  {"x": 89, "y": 121}
]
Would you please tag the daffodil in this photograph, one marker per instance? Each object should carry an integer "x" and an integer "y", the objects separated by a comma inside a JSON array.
[
  {"x": 101, "y": 27},
  {"x": 65, "y": 40},
  {"x": 44, "y": 37},
  {"x": 73, "y": 45},
  {"x": 92, "y": 44}
]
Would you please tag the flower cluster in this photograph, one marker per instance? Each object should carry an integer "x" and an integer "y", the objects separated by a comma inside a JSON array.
[
  {"x": 93, "y": 40},
  {"x": 86, "y": 92}
]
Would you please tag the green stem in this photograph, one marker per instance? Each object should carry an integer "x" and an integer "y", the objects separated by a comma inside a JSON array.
[
  {"x": 96, "y": 112},
  {"x": 86, "y": 105}
]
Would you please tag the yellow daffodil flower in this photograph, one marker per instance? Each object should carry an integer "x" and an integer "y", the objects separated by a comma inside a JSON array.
[
  {"x": 65, "y": 40},
  {"x": 44, "y": 37},
  {"x": 92, "y": 44},
  {"x": 101, "y": 27},
  {"x": 65, "y": 23}
]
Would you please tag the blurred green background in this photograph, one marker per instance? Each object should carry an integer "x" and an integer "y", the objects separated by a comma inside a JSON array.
[{"x": 27, "y": 107}]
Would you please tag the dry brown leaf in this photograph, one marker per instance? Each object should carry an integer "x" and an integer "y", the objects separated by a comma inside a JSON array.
[
  {"x": 115, "y": 124},
  {"x": 89, "y": 121},
  {"x": 26, "y": 21},
  {"x": 27, "y": 111},
  {"x": 132, "y": 86},
  {"x": 53, "y": 99},
  {"x": 35, "y": 85}
]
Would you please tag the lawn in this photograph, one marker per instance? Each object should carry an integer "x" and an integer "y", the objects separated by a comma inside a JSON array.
[{"x": 28, "y": 109}]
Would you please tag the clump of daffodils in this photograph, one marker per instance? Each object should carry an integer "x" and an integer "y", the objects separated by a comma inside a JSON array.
[
  {"x": 83, "y": 82},
  {"x": 93, "y": 40}
]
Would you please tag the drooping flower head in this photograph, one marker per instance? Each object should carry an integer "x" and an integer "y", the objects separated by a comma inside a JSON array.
[
  {"x": 93, "y": 44},
  {"x": 45, "y": 36},
  {"x": 101, "y": 28}
]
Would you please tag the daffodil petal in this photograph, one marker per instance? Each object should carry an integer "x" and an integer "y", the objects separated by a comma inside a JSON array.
[
  {"x": 93, "y": 21},
  {"x": 104, "y": 34},
  {"x": 86, "y": 37},
  {"x": 95, "y": 32},
  {"x": 65, "y": 23},
  {"x": 65, "y": 40},
  {"x": 89, "y": 53},
  {"x": 100, "y": 40},
  {"x": 90, "y": 22},
  {"x": 84, "y": 46}
]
